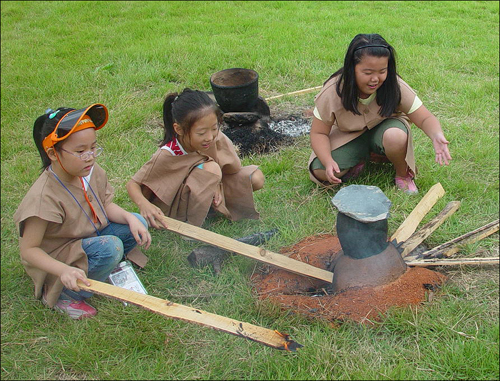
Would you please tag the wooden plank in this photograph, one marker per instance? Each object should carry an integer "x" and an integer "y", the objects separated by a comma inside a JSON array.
[
  {"x": 454, "y": 262},
  {"x": 167, "y": 308},
  {"x": 298, "y": 92},
  {"x": 255, "y": 252},
  {"x": 411, "y": 222},
  {"x": 451, "y": 247},
  {"x": 418, "y": 237}
]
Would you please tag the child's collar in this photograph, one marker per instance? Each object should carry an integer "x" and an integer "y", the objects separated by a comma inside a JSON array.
[{"x": 368, "y": 100}]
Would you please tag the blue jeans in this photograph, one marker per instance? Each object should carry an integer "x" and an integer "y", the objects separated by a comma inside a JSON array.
[{"x": 104, "y": 252}]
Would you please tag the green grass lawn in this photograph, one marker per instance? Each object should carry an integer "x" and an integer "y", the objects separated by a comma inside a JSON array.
[{"x": 128, "y": 55}]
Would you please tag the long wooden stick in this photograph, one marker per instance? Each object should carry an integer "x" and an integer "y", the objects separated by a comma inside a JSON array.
[
  {"x": 454, "y": 262},
  {"x": 304, "y": 91},
  {"x": 251, "y": 251},
  {"x": 167, "y": 308},
  {"x": 411, "y": 222},
  {"x": 418, "y": 237},
  {"x": 451, "y": 247}
]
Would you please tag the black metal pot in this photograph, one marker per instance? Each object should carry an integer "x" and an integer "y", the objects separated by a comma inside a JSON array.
[{"x": 235, "y": 89}]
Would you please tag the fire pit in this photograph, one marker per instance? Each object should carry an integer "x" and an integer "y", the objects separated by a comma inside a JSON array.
[
  {"x": 247, "y": 116},
  {"x": 370, "y": 276},
  {"x": 367, "y": 258}
]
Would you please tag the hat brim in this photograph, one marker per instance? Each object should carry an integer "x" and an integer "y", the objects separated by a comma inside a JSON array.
[{"x": 97, "y": 112}]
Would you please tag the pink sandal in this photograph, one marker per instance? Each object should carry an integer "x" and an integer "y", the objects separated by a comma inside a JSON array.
[
  {"x": 354, "y": 172},
  {"x": 406, "y": 184}
]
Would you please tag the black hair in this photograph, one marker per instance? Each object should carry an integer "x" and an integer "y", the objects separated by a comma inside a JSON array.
[
  {"x": 42, "y": 128},
  {"x": 389, "y": 94},
  {"x": 185, "y": 109}
]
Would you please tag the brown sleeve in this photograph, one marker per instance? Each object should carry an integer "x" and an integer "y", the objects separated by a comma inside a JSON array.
[
  {"x": 227, "y": 158},
  {"x": 407, "y": 97},
  {"x": 325, "y": 102}
]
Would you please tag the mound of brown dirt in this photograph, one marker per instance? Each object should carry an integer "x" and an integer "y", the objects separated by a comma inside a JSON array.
[{"x": 308, "y": 296}]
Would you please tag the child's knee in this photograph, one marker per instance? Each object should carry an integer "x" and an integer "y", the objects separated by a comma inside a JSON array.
[
  {"x": 258, "y": 180},
  {"x": 213, "y": 167},
  {"x": 113, "y": 250},
  {"x": 394, "y": 137}
]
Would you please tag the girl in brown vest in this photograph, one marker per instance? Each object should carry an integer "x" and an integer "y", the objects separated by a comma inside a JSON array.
[
  {"x": 196, "y": 167},
  {"x": 364, "y": 108},
  {"x": 69, "y": 227}
]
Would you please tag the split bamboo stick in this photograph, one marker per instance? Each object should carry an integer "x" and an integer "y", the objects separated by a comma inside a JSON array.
[
  {"x": 298, "y": 92},
  {"x": 411, "y": 222},
  {"x": 451, "y": 247},
  {"x": 454, "y": 262},
  {"x": 271, "y": 338},
  {"x": 418, "y": 237},
  {"x": 255, "y": 252}
]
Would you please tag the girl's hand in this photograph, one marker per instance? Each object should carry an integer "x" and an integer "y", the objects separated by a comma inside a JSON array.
[
  {"x": 217, "y": 198},
  {"x": 441, "y": 149},
  {"x": 140, "y": 232},
  {"x": 153, "y": 215},
  {"x": 70, "y": 276},
  {"x": 331, "y": 169}
]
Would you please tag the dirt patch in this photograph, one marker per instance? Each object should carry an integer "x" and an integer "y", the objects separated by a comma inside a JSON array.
[{"x": 308, "y": 296}]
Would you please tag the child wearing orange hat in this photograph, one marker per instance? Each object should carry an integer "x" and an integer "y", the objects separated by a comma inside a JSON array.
[{"x": 69, "y": 227}]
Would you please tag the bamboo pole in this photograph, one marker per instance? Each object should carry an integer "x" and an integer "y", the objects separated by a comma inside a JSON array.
[
  {"x": 255, "y": 252},
  {"x": 454, "y": 262},
  {"x": 271, "y": 338},
  {"x": 451, "y": 247},
  {"x": 299, "y": 92}
]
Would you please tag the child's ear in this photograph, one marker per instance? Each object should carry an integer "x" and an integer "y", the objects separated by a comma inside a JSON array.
[
  {"x": 51, "y": 153},
  {"x": 177, "y": 129}
]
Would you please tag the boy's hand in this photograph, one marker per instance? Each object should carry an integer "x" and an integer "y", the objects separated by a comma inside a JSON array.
[
  {"x": 70, "y": 276},
  {"x": 140, "y": 232}
]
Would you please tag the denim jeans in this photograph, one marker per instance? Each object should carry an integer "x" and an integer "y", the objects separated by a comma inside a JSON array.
[{"x": 104, "y": 252}]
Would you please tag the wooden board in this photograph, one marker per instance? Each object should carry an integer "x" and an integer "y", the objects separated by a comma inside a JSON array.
[
  {"x": 411, "y": 222},
  {"x": 418, "y": 237},
  {"x": 250, "y": 251},
  {"x": 271, "y": 338},
  {"x": 454, "y": 262}
]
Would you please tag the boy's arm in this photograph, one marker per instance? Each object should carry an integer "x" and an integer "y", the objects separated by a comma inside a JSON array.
[
  {"x": 121, "y": 216},
  {"x": 34, "y": 231}
]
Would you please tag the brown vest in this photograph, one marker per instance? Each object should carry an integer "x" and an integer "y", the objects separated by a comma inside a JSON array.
[{"x": 67, "y": 224}]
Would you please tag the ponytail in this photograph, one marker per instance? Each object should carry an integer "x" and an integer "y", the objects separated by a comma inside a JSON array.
[
  {"x": 43, "y": 127},
  {"x": 38, "y": 138},
  {"x": 168, "y": 119},
  {"x": 185, "y": 109}
]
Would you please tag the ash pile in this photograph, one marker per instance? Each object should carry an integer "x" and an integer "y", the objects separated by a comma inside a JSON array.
[{"x": 247, "y": 116}]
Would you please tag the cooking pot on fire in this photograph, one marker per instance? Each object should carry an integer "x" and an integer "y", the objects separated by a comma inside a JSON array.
[{"x": 235, "y": 89}]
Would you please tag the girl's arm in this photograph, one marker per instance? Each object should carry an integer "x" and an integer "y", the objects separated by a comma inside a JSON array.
[
  {"x": 139, "y": 231},
  {"x": 152, "y": 214},
  {"x": 34, "y": 231},
  {"x": 427, "y": 122},
  {"x": 320, "y": 143}
]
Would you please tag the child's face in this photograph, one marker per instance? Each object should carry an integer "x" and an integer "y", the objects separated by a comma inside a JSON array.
[
  {"x": 72, "y": 147},
  {"x": 203, "y": 133},
  {"x": 371, "y": 72}
]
